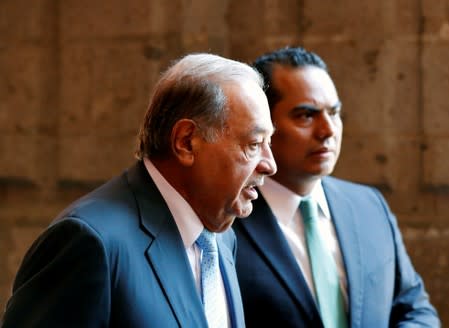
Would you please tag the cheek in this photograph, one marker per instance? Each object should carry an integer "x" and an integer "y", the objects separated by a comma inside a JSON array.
[{"x": 243, "y": 175}]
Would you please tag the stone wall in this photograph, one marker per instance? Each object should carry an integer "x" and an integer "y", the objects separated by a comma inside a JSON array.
[{"x": 76, "y": 75}]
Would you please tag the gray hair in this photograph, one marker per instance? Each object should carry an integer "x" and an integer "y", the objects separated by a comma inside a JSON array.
[{"x": 192, "y": 88}]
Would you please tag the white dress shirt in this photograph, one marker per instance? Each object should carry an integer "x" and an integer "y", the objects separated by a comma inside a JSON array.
[
  {"x": 284, "y": 203},
  {"x": 189, "y": 226}
]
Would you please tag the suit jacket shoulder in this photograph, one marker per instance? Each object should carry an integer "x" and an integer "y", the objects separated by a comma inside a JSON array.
[{"x": 112, "y": 258}]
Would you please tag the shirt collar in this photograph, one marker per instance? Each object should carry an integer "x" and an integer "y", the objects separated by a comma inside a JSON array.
[
  {"x": 188, "y": 223},
  {"x": 284, "y": 203}
]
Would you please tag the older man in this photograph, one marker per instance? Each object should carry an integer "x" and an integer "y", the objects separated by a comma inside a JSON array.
[{"x": 146, "y": 248}]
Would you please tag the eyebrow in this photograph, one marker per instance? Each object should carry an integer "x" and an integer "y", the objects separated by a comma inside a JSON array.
[
  {"x": 259, "y": 130},
  {"x": 316, "y": 109}
]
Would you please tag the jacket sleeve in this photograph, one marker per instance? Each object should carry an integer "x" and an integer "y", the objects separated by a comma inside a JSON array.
[
  {"x": 411, "y": 305},
  {"x": 63, "y": 281}
]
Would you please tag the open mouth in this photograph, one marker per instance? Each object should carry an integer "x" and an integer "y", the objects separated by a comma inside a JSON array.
[{"x": 250, "y": 192}]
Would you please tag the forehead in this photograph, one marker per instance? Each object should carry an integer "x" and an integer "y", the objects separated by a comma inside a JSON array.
[
  {"x": 248, "y": 108},
  {"x": 309, "y": 82}
]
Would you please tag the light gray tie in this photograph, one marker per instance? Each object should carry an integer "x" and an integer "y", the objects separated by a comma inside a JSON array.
[
  {"x": 324, "y": 269},
  {"x": 210, "y": 283}
]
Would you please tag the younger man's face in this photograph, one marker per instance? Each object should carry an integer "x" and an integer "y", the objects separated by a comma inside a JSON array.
[{"x": 307, "y": 141}]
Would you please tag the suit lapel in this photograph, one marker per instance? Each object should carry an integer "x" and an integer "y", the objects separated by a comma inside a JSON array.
[
  {"x": 167, "y": 257},
  {"x": 347, "y": 229},
  {"x": 227, "y": 268},
  {"x": 166, "y": 253},
  {"x": 264, "y": 231}
]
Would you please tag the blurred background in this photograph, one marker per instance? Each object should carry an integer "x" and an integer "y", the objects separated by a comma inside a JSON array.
[{"x": 76, "y": 76}]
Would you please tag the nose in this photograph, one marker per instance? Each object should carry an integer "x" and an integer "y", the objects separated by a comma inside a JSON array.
[
  {"x": 267, "y": 166},
  {"x": 326, "y": 126}
]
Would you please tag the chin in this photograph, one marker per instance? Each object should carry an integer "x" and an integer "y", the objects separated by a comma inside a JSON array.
[
  {"x": 245, "y": 212},
  {"x": 225, "y": 226},
  {"x": 323, "y": 170}
]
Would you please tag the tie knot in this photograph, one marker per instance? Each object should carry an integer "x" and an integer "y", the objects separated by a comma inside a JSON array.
[
  {"x": 309, "y": 209},
  {"x": 206, "y": 241}
]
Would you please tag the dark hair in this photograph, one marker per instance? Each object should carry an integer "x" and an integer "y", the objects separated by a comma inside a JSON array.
[
  {"x": 287, "y": 57},
  {"x": 191, "y": 88}
]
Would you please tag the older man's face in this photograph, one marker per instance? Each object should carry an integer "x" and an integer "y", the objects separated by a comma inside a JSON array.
[{"x": 226, "y": 171}]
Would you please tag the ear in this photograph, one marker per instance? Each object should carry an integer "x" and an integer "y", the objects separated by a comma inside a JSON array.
[{"x": 184, "y": 137}]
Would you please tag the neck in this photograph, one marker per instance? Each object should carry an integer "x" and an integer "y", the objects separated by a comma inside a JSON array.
[{"x": 172, "y": 172}]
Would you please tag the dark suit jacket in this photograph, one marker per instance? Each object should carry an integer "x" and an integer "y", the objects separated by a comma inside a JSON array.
[
  {"x": 384, "y": 289},
  {"x": 115, "y": 258}
]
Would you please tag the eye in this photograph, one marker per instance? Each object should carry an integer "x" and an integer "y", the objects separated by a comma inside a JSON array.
[
  {"x": 304, "y": 116},
  {"x": 253, "y": 149},
  {"x": 334, "y": 111},
  {"x": 255, "y": 146}
]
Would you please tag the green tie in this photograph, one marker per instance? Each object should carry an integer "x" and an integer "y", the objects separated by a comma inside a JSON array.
[{"x": 324, "y": 270}]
